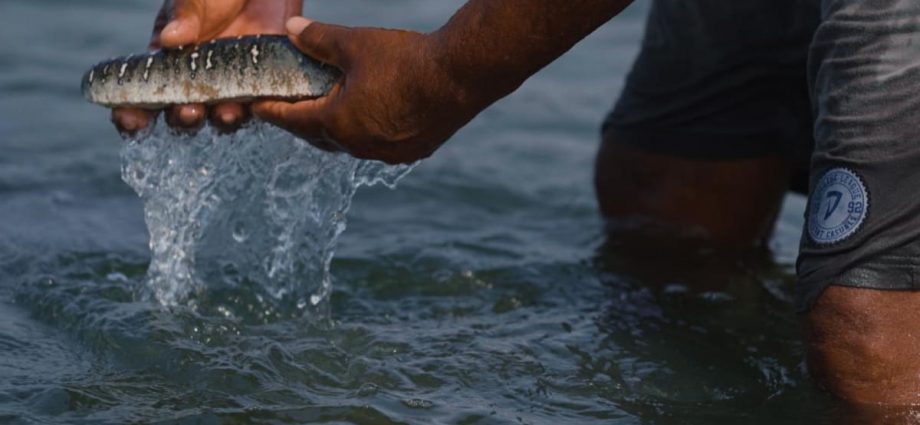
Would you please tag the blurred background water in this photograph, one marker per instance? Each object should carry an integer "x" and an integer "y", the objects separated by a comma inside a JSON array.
[{"x": 483, "y": 290}]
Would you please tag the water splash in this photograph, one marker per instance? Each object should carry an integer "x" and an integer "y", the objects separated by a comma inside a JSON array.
[{"x": 255, "y": 214}]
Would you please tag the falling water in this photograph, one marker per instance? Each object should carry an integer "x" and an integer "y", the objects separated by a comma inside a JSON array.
[{"x": 253, "y": 216}]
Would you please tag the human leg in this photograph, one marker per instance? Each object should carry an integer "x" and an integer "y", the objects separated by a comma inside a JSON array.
[
  {"x": 713, "y": 121},
  {"x": 731, "y": 202}
]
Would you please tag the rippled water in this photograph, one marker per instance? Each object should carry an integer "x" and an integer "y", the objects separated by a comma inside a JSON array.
[{"x": 483, "y": 290}]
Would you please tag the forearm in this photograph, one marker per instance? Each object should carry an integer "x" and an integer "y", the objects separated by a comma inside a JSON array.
[
  {"x": 490, "y": 47},
  {"x": 404, "y": 93}
]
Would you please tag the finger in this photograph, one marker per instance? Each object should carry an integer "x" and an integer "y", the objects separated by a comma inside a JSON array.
[
  {"x": 185, "y": 26},
  {"x": 323, "y": 42},
  {"x": 228, "y": 117},
  {"x": 194, "y": 21},
  {"x": 302, "y": 118},
  {"x": 159, "y": 23},
  {"x": 276, "y": 112},
  {"x": 186, "y": 117},
  {"x": 262, "y": 17},
  {"x": 132, "y": 120},
  {"x": 323, "y": 145}
]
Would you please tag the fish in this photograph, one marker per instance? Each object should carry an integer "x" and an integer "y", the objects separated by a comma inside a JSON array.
[{"x": 234, "y": 69}]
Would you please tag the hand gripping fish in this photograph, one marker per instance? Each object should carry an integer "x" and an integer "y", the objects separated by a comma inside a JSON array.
[{"x": 240, "y": 69}]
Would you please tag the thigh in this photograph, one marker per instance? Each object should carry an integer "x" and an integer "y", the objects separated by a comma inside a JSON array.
[
  {"x": 732, "y": 203},
  {"x": 714, "y": 118}
]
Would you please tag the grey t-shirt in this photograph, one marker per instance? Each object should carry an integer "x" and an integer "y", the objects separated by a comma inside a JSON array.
[{"x": 863, "y": 220}]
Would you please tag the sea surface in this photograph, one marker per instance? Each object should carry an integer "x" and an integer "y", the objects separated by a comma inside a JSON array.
[{"x": 483, "y": 290}]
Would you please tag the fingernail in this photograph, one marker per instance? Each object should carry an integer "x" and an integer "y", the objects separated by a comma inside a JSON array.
[
  {"x": 228, "y": 118},
  {"x": 173, "y": 29},
  {"x": 190, "y": 115},
  {"x": 297, "y": 24},
  {"x": 180, "y": 32},
  {"x": 129, "y": 122}
]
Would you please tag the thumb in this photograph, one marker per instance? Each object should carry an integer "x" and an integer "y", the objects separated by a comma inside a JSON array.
[
  {"x": 324, "y": 42},
  {"x": 185, "y": 26}
]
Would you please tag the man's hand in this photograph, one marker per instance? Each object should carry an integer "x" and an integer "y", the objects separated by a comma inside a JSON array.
[
  {"x": 393, "y": 103},
  {"x": 403, "y": 94},
  {"x": 184, "y": 22}
]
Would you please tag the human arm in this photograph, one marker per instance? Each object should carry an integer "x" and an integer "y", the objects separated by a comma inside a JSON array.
[
  {"x": 184, "y": 22},
  {"x": 404, "y": 94},
  {"x": 860, "y": 345}
]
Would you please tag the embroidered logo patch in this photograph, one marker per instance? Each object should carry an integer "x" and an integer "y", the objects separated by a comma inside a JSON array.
[{"x": 838, "y": 206}]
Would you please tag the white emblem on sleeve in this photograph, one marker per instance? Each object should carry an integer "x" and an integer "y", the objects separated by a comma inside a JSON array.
[{"x": 838, "y": 206}]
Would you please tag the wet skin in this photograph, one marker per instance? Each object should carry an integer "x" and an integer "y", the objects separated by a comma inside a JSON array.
[
  {"x": 184, "y": 22},
  {"x": 404, "y": 94}
]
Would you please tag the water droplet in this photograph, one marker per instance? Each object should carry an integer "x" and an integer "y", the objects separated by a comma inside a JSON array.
[
  {"x": 367, "y": 390},
  {"x": 240, "y": 234},
  {"x": 417, "y": 403},
  {"x": 117, "y": 277}
]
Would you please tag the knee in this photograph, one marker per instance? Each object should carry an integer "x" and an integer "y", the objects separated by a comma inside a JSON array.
[{"x": 861, "y": 345}]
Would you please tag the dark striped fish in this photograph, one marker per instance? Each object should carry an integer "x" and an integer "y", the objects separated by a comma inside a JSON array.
[{"x": 230, "y": 69}]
